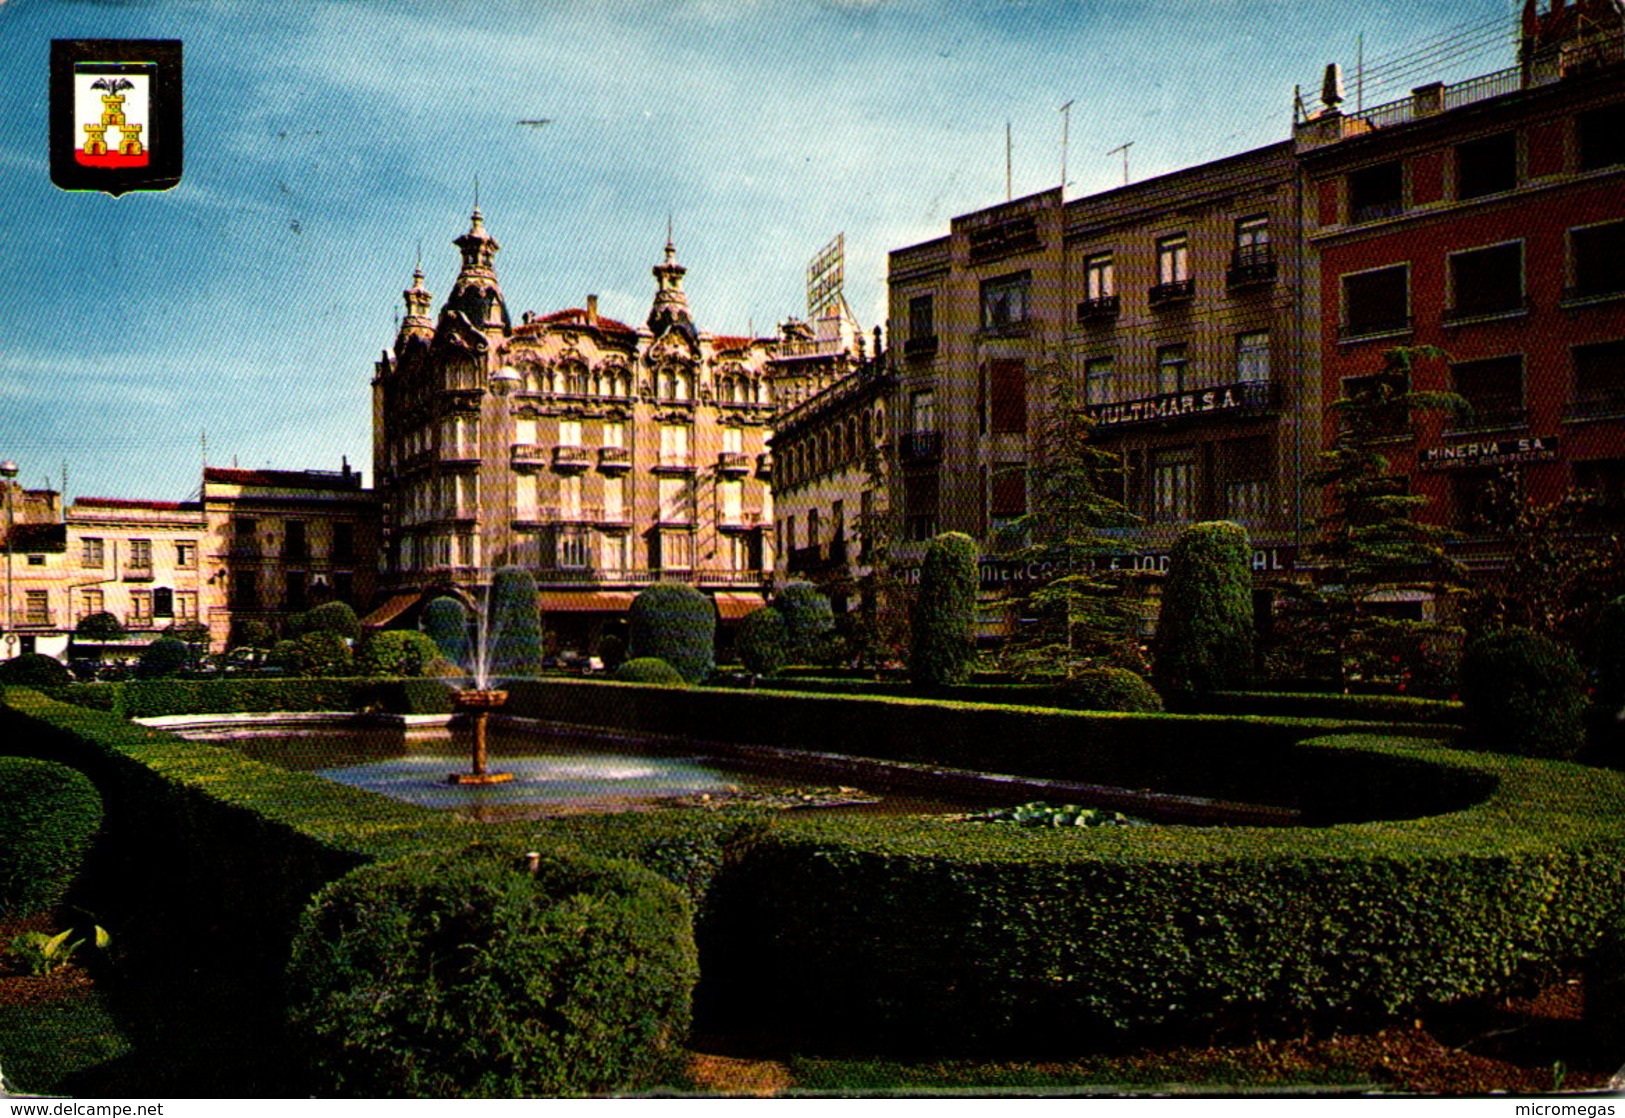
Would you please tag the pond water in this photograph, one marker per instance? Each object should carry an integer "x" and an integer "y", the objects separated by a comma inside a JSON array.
[{"x": 553, "y": 774}]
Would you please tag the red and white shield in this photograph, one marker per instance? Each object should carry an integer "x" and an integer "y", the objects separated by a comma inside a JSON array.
[{"x": 112, "y": 114}]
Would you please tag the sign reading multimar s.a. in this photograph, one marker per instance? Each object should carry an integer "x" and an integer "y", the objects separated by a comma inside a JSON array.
[{"x": 116, "y": 114}]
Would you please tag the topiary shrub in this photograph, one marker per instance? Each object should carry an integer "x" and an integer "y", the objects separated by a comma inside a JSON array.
[
  {"x": 650, "y": 669},
  {"x": 34, "y": 669},
  {"x": 762, "y": 641},
  {"x": 163, "y": 657},
  {"x": 674, "y": 622},
  {"x": 101, "y": 626},
  {"x": 288, "y": 656},
  {"x": 944, "y": 625},
  {"x": 612, "y": 651},
  {"x": 1110, "y": 689},
  {"x": 1608, "y": 648},
  {"x": 1204, "y": 637},
  {"x": 1522, "y": 694},
  {"x": 331, "y": 617},
  {"x": 251, "y": 633},
  {"x": 464, "y": 975},
  {"x": 514, "y": 625},
  {"x": 445, "y": 621},
  {"x": 809, "y": 621},
  {"x": 397, "y": 652},
  {"x": 323, "y": 652},
  {"x": 48, "y": 815}
]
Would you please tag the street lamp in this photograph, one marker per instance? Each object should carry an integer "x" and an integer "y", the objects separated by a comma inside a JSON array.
[{"x": 8, "y": 471}]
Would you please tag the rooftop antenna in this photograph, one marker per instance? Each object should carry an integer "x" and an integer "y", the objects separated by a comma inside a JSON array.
[
  {"x": 420, "y": 253},
  {"x": 1008, "y": 192},
  {"x": 1066, "y": 126},
  {"x": 1124, "y": 149},
  {"x": 1359, "y": 75},
  {"x": 476, "y": 192}
]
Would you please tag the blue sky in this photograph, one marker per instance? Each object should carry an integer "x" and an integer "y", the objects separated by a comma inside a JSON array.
[{"x": 325, "y": 141}]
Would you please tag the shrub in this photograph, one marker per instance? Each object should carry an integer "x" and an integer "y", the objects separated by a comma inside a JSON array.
[
  {"x": 190, "y": 632},
  {"x": 650, "y": 669},
  {"x": 397, "y": 652},
  {"x": 763, "y": 641},
  {"x": 34, "y": 669},
  {"x": 48, "y": 815},
  {"x": 164, "y": 657},
  {"x": 288, "y": 656},
  {"x": 809, "y": 622},
  {"x": 323, "y": 652},
  {"x": 1522, "y": 694},
  {"x": 445, "y": 621},
  {"x": 945, "y": 613},
  {"x": 101, "y": 626},
  {"x": 250, "y": 633},
  {"x": 1205, "y": 631},
  {"x": 462, "y": 975},
  {"x": 676, "y": 623},
  {"x": 612, "y": 651},
  {"x": 1608, "y": 645},
  {"x": 514, "y": 625},
  {"x": 330, "y": 617},
  {"x": 1109, "y": 689}
]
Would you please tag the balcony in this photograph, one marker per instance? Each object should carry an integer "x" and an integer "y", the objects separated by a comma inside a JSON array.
[
  {"x": 739, "y": 521},
  {"x": 1376, "y": 211},
  {"x": 566, "y": 458},
  {"x": 1105, "y": 308},
  {"x": 733, "y": 463},
  {"x": 133, "y": 621},
  {"x": 920, "y": 446},
  {"x": 609, "y": 518},
  {"x": 1242, "y": 400},
  {"x": 923, "y": 346},
  {"x": 674, "y": 464},
  {"x": 764, "y": 466},
  {"x": 1250, "y": 267},
  {"x": 614, "y": 459},
  {"x": 1490, "y": 413},
  {"x": 1607, "y": 404},
  {"x": 1462, "y": 316},
  {"x": 36, "y": 619},
  {"x": 1171, "y": 293},
  {"x": 525, "y": 455},
  {"x": 1385, "y": 327}
]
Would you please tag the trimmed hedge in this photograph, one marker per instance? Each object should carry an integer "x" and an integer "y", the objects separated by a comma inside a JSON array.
[
  {"x": 1361, "y": 708},
  {"x": 33, "y": 669},
  {"x": 49, "y": 814},
  {"x": 674, "y": 622},
  {"x": 1116, "y": 689},
  {"x": 1522, "y": 694},
  {"x": 944, "y": 624},
  {"x": 1205, "y": 628},
  {"x": 395, "y": 652},
  {"x": 650, "y": 669},
  {"x": 163, "y": 657},
  {"x": 159, "y": 697},
  {"x": 513, "y": 625},
  {"x": 809, "y": 622},
  {"x": 763, "y": 641},
  {"x": 462, "y": 975}
]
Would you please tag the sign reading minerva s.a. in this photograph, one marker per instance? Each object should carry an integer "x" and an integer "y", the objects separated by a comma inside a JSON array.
[
  {"x": 995, "y": 573},
  {"x": 1491, "y": 452},
  {"x": 1172, "y": 405}
]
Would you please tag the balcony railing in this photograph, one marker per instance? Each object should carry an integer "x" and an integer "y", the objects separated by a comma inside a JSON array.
[
  {"x": 922, "y": 346},
  {"x": 1171, "y": 292},
  {"x": 1103, "y": 308},
  {"x": 1008, "y": 327},
  {"x": 524, "y": 454},
  {"x": 920, "y": 446},
  {"x": 1251, "y": 267},
  {"x": 139, "y": 621},
  {"x": 740, "y": 521},
  {"x": 1608, "y": 404},
  {"x": 1491, "y": 413},
  {"x": 570, "y": 458},
  {"x": 733, "y": 462},
  {"x": 612, "y": 458},
  {"x": 1376, "y": 211},
  {"x": 675, "y": 464},
  {"x": 1374, "y": 328},
  {"x": 1454, "y": 315}
]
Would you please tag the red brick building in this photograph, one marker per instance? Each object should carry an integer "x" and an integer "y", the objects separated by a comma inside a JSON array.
[{"x": 1486, "y": 218}]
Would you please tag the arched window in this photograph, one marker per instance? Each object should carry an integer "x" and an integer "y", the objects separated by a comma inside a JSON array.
[
  {"x": 866, "y": 432},
  {"x": 880, "y": 423}
]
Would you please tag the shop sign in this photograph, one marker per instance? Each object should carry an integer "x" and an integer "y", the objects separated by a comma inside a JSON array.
[{"x": 1491, "y": 452}]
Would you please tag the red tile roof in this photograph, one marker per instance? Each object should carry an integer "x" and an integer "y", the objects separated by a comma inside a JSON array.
[
  {"x": 722, "y": 342},
  {"x": 574, "y": 316},
  {"x": 124, "y": 503}
]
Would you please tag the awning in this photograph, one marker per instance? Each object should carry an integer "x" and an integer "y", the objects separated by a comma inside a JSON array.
[
  {"x": 390, "y": 610},
  {"x": 585, "y": 601},
  {"x": 732, "y": 606}
]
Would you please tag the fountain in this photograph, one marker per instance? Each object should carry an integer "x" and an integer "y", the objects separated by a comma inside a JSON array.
[{"x": 498, "y": 613}]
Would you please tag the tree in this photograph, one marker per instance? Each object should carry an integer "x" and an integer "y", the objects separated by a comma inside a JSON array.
[
  {"x": 252, "y": 633},
  {"x": 1522, "y": 694},
  {"x": 101, "y": 626},
  {"x": 164, "y": 657},
  {"x": 674, "y": 622},
  {"x": 809, "y": 622},
  {"x": 323, "y": 652},
  {"x": 514, "y": 625},
  {"x": 762, "y": 641},
  {"x": 330, "y": 617},
  {"x": 945, "y": 613},
  {"x": 1371, "y": 547},
  {"x": 445, "y": 621},
  {"x": 1205, "y": 630},
  {"x": 1084, "y": 615}
]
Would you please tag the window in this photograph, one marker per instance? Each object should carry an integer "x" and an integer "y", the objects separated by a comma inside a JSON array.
[
  {"x": 1493, "y": 390},
  {"x": 676, "y": 551},
  {"x": 570, "y": 497},
  {"x": 1376, "y": 302},
  {"x": 343, "y": 542},
  {"x": 1173, "y": 484},
  {"x": 140, "y": 555},
  {"x": 1173, "y": 259},
  {"x": 923, "y": 411},
  {"x": 1097, "y": 380},
  {"x": 1602, "y": 137},
  {"x": 922, "y": 322},
  {"x": 1007, "y": 497},
  {"x": 524, "y": 432},
  {"x": 36, "y": 607},
  {"x": 245, "y": 540},
  {"x": 920, "y": 494},
  {"x": 293, "y": 590},
  {"x": 1099, "y": 277},
  {"x": 1377, "y": 192},
  {"x": 569, "y": 432},
  {"x": 1480, "y": 495},
  {"x": 1253, "y": 357},
  {"x": 186, "y": 555},
  {"x": 1606, "y": 479},
  {"x": 344, "y": 586},
  {"x": 1004, "y": 301},
  {"x": 575, "y": 547},
  {"x": 1486, "y": 280},
  {"x": 676, "y": 500},
  {"x": 613, "y": 551},
  {"x": 245, "y": 590},
  {"x": 790, "y": 533},
  {"x": 615, "y": 434},
  {"x": 1598, "y": 253},
  {"x": 293, "y": 540},
  {"x": 730, "y": 502},
  {"x": 91, "y": 554},
  {"x": 813, "y": 526},
  {"x": 1487, "y": 166},
  {"x": 614, "y": 499},
  {"x": 1171, "y": 364},
  {"x": 1599, "y": 380},
  {"x": 733, "y": 440},
  {"x": 1246, "y": 469},
  {"x": 141, "y": 608},
  {"x": 868, "y": 527},
  {"x": 185, "y": 605},
  {"x": 1007, "y": 396},
  {"x": 524, "y": 499},
  {"x": 673, "y": 445},
  {"x": 91, "y": 601},
  {"x": 1252, "y": 236}
]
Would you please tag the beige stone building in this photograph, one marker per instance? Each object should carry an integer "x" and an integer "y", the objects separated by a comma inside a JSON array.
[{"x": 598, "y": 455}]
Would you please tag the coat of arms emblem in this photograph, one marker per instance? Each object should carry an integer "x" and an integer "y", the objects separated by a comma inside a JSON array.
[{"x": 115, "y": 114}]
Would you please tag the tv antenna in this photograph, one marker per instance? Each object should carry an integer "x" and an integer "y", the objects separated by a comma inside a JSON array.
[{"x": 1124, "y": 149}]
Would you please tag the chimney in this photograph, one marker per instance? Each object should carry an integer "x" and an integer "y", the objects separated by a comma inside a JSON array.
[{"x": 592, "y": 310}]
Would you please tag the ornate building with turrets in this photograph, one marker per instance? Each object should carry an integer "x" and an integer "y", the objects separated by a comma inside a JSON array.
[{"x": 597, "y": 455}]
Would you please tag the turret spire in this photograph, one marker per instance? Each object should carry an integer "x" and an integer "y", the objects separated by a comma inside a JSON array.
[
  {"x": 670, "y": 310},
  {"x": 476, "y": 292}
]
